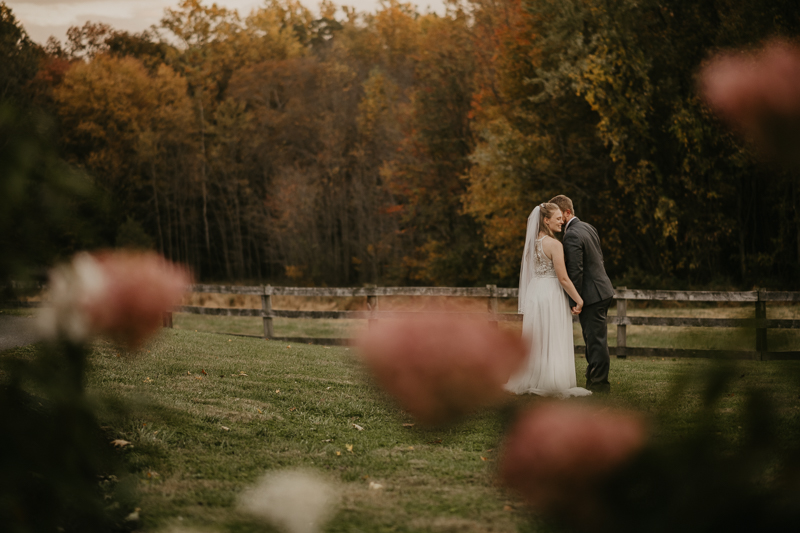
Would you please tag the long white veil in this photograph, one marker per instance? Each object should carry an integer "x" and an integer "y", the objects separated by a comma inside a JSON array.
[{"x": 526, "y": 270}]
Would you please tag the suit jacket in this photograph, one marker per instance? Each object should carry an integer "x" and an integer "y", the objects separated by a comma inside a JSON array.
[{"x": 584, "y": 261}]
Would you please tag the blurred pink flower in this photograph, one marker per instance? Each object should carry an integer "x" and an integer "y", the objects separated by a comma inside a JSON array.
[
  {"x": 119, "y": 294},
  {"x": 556, "y": 456},
  {"x": 439, "y": 366},
  {"x": 750, "y": 88}
]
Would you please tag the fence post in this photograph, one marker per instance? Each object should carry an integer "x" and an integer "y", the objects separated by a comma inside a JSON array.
[
  {"x": 491, "y": 304},
  {"x": 622, "y": 331},
  {"x": 166, "y": 318},
  {"x": 266, "y": 307},
  {"x": 761, "y": 333},
  {"x": 372, "y": 305}
]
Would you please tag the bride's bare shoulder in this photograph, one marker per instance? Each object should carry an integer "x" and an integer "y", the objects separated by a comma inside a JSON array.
[{"x": 550, "y": 242}]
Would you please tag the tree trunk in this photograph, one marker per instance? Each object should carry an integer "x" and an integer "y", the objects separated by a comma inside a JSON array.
[
  {"x": 203, "y": 178},
  {"x": 741, "y": 217},
  {"x": 796, "y": 218},
  {"x": 158, "y": 211}
]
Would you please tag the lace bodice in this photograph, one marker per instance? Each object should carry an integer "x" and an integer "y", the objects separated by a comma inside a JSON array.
[{"x": 542, "y": 265}]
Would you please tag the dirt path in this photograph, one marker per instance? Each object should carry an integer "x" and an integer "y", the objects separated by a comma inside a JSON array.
[{"x": 17, "y": 331}]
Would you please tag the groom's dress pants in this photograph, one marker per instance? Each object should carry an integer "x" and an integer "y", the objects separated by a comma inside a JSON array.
[{"x": 595, "y": 335}]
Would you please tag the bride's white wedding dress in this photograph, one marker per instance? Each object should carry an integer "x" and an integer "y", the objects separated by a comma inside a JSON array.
[{"x": 549, "y": 369}]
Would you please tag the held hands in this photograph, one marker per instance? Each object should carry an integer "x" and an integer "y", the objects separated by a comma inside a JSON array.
[{"x": 577, "y": 309}]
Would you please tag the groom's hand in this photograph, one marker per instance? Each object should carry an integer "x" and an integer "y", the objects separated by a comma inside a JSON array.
[{"x": 576, "y": 310}]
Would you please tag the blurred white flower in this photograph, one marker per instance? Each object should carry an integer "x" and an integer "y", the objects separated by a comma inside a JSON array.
[
  {"x": 297, "y": 501},
  {"x": 72, "y": 287}
]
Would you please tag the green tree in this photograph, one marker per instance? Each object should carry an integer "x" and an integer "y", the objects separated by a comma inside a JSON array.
[{"x": 19, "y": 56}]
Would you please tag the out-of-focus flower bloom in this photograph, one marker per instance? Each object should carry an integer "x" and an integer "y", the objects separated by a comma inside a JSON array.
[
  {"x": 753, "y": 90},
  {"x": 297, "y": 501},
  {"x": 439, "y": 366},
  {"x": 557, "y": 455},
  {"x": 119, "y": 294}
]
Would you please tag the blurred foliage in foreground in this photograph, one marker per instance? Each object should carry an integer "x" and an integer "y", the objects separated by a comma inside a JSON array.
[
  {"x": 48, "y": 209},
  {"x": 59, "y": 472}
]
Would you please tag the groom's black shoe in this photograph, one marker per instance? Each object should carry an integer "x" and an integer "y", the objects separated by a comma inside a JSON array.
[{"x": 599, "y": 388}]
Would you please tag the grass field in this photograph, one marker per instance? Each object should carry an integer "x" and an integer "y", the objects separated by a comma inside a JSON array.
[{"x": 208, "y": 414}]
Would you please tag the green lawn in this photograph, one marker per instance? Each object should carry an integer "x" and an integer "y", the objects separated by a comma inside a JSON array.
[
  {"x": 19, "y": 311},
  {"x": 208, "y": 414}
]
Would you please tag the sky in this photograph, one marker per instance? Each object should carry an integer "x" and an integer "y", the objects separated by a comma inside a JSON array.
[{"x": 43, "y": 18}]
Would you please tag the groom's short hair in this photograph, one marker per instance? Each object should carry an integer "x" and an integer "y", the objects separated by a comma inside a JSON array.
[{"x": 563, "y": 203}]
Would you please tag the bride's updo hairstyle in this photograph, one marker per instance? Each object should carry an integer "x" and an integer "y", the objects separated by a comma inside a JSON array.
[{"x": 546, "y": 210}]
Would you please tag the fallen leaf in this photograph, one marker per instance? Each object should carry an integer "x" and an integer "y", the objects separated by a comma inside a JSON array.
[
  {"x": 327, "y": 388},
  {"x": 198, "y": 377},
  {"x": 508, "y": 508},
  {"x": 226, "y": 428},
  {"x": 375, "y": 486},
  {"x": 338, "y": 453},
  {"x": 288, "y": 346},
  {"x": 203, "y": 371},
  {"x": 410, "y": 447},
  {"x": 358, "y": 427},
  {"x": 188, "y": 373},
  {"x": 241, "y": 373},
  {"x": 349, "y": 447},
  {"x": 147, "y": 380},
  {"x": 151, "y": 474},
  {"x": 292, "y": 408},
  {"x": 278, "y": 391},
  {"x": 229, "y": 340},
  {"x": 259, "y": 410},
  {"x": 408, "y": 425},
  {"x": 119, "y": 443},
  {"x": 483, "y": 458}
]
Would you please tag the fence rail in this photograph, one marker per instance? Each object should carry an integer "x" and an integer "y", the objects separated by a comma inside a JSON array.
[{"x": 758, "y": 299}]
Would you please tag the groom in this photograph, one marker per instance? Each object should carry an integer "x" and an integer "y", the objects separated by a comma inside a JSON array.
[{"x": 584, "y": 261}]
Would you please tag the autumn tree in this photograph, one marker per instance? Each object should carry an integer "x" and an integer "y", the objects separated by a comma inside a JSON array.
[{"x": 133, "y": 131}]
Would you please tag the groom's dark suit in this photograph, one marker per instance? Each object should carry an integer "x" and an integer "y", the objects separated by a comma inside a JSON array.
[{"x": 584, "y": 261}]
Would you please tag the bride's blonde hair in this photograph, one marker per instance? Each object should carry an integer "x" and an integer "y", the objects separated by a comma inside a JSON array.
[{"x": 546, "y": 210}]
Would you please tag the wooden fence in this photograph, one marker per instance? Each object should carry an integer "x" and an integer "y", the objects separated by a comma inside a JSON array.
[{"x": 492, "y": 293}]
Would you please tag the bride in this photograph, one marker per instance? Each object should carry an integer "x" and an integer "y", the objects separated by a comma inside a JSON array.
[{"x": 549, "y": 369}]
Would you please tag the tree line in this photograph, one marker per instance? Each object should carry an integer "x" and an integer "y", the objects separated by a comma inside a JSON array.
[{"x": 397, "y": 147}]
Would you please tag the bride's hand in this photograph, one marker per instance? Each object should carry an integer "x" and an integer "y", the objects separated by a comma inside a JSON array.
[{"x": 577, "y": 309}]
